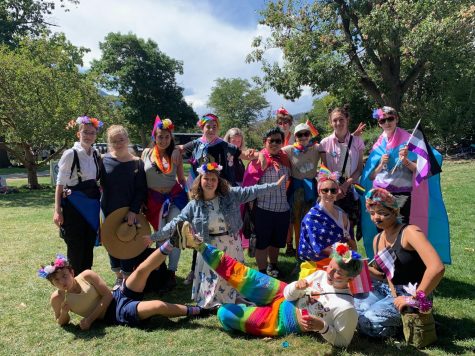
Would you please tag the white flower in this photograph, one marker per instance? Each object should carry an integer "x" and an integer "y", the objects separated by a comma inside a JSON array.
[
  {"x": 49, "y": 269},
  {"x": 411, "y": 288}
]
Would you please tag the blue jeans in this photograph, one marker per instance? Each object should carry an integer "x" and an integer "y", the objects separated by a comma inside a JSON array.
[{"x": 377, "y": 315}]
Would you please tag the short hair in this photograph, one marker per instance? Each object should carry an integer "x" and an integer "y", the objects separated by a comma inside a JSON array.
[
  {"x": 352, "y": 267},
  {"x": 235, "y": 132},
  {"x": 196, "y": 192},
  {"x": 116, "y": 130},
  {"x": 50, "y": 276},
  {"x": 271, "y": 132}
]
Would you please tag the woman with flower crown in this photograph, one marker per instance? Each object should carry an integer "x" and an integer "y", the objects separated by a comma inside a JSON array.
[
  {"x": 405, "y": 256},
  {"x": 166, "y": 185},
  {"x": 320, "y": 303},
  {"x": 76, "y": 204},
  {"x": 214, "y": 213}
]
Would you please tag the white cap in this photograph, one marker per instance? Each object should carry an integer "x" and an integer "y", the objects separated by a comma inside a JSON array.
[{"x": 301, "y": 127}]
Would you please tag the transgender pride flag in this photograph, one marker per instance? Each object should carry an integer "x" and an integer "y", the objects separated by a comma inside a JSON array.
[{"x": 427, "y": 164}]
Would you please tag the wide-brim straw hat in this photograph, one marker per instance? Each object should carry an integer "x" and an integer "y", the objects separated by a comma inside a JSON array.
[{"x": 121, "y": 240}]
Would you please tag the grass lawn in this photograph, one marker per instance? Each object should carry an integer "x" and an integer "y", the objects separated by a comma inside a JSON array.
[{"x": 29, "y": 238}]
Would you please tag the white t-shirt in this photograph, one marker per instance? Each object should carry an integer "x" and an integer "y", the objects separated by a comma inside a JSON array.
[
  {"x": 87, "y": 163},
  {"x": 334, "y": 306}
]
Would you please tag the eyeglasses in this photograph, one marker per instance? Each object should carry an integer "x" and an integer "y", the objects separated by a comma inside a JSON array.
[
  {"x": 282, "y": 123},
  {"x": 89, "y": 133},
  {"x": 277, "y": 141},
  {"x": 302, "y": 134},
  {"x": 331, "y": 190},
  {"x": 388, "y": 119}
]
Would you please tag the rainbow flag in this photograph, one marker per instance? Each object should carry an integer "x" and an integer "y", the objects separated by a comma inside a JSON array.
[
  {"x": 324, "y": 170},
  {"x": 313, "y": 129},
  {"x": 359, "y": 189}
]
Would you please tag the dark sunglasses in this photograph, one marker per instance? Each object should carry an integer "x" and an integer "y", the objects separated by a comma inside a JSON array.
[
  {"x": 388, "y": 119},
  {"x": 331, "y": 190},
  {"x": 302, "y": 134},
  {"x": 281, "y": 123},
  {"x": 277, "y": 141}
]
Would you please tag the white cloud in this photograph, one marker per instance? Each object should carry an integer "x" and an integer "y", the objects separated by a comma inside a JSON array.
[{"x": 209, "y": 47}]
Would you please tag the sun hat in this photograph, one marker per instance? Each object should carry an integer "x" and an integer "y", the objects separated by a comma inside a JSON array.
[
  {"x": 301, "y": 127},
  {"x": 121, "y": 240}
]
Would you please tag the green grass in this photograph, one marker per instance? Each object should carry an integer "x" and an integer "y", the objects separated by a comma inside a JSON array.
[{"x": 29, "y": 238}]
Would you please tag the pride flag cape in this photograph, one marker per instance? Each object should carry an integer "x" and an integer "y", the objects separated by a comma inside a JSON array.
[{"x": 427, "y": 206}]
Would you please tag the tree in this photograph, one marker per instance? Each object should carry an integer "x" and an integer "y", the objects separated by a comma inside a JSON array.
[
  {"x": 21, "y": 18},
  {"x": 144, "y": 77},
  {"x": 385, "y": 45},
  {"x": 236, "y": 102},
  {"x": 41, "y": 89}
]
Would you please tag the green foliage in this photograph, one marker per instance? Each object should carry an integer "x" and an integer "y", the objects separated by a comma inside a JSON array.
[
  {"x": 41, "y": 89},
  {"x": 20, "y": 18},
  {"x": 382, "y": 46},
  {"x": 236, "y": 102},
  {"x": 145, "y": 79}
]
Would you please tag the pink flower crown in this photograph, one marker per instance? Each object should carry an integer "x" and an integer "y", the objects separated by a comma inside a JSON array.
[
  {"x": 209, "y": 167},
  {"x": 208, "y": 117},
  {"x": 385, "y": 110},
  {"x": 325, "y": 174},
  {"x": 60, "y": 262},
  {"x": 282, "y": 111}
]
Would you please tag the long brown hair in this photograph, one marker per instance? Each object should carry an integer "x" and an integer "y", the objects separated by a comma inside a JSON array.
[{"x": 196, "y": 192}]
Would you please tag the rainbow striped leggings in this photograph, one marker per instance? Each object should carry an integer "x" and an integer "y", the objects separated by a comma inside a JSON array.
[{"x": 272, "y": 315}]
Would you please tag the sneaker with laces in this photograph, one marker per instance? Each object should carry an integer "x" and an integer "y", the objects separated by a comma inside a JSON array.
[
  {"x": 188, "y": 238},
  {"x": 118, "y": 282}
]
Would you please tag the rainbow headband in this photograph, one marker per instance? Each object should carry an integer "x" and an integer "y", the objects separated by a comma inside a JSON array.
[
  {"x": 209, "y": 167},
  {"x": 325, "y": 174},
  {"x": 206, "y": 118},
  {"x": 86, "y": 120},
  {"x": 346, "y": 254},
  {"x": 166, "y": 124},
  {"x": 60, "y": 262}
]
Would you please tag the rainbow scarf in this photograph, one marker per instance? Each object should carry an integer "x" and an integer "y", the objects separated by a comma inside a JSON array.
[
  {"x": 272, "y": 316},
  {"x": 427, "y": 206}
]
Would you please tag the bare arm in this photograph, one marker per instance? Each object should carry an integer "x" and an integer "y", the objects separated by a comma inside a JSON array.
[
  {"x": 414, "y": 238},
  {"x": 60, "y": 308},
  {"x": 106, "y": 298},
  {"x": 58, "y": 211}
]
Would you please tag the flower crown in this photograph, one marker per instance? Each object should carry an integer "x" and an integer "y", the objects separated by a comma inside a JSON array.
[
  {"x": 325, "y": 174},
  {"x": 383, "y": 197},
  {"x": 345, "y": 252},
  {"x": 60, "y": 262},
  {"x": 165, "y": 124},
  {"x": 208, "y": 117},
  {"x": 385, "y": 110},
  {"x": 209, "y": 167},
  {"x": 85, "y": 120},
  {"x": 282, "y": 111}
]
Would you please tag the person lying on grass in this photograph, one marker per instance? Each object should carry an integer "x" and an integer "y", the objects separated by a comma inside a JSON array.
[
  {"x": 88, "y": 295},
  {"x": 318, "y": 303}
]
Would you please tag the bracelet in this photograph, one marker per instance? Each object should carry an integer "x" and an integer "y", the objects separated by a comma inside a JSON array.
[{"x": 325, "y": 329}]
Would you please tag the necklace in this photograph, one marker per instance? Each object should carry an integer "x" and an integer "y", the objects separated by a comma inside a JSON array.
[
  {"x": 388, "y": 237},
  {"x": 158, "y": 160}
]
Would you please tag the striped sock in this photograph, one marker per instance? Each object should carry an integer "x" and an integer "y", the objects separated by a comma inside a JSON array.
[
  {"x": 193, "y": 310},
  {"x": 166, "y": 248}
]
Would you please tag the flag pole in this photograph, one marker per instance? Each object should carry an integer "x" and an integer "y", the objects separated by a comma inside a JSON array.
[{"x": 410, "y": 138}]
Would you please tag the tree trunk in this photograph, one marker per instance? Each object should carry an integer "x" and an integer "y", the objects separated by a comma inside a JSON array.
[
  {"x": 143, "y": 137},
  {"x": 32, "y": 167}
]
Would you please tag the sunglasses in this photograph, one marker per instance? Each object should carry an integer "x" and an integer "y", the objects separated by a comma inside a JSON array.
[
  {"x": 388, "y": 119},
  {"x": 302, "y": 134},
  {"x": 331, "y": 190},
  {"x": 282, "y": 123},
  {"x": 277, "y": 141}
]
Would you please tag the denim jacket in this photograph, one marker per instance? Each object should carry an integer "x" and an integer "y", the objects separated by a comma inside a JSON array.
[{"x": 196, "y": 211}]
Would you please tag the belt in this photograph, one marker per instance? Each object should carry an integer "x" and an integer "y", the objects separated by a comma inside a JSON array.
[{"x": 219, "y": 234}]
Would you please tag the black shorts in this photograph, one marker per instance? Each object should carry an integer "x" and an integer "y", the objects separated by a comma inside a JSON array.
[{"x": 270, "y": 228}]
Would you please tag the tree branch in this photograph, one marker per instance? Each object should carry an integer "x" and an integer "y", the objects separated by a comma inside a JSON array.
[{"x": 412, "y": 76}]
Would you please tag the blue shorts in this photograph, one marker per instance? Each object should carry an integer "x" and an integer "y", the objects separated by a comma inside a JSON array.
[
  {"x": 270, "y": 228},
  {"x": 123, "y": 308}
]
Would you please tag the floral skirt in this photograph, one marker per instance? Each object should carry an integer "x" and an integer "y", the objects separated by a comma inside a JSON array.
[{"x": 209, "y": 289}]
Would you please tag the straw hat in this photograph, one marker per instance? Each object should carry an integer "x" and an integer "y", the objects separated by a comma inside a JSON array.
[{"x": 121, "y": 240}]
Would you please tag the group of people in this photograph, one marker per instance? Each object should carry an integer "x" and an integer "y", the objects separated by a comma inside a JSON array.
[{"x": 295, "y": 187}]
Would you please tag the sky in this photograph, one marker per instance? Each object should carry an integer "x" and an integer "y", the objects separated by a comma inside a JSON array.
[{"x": 211, "y": 37}]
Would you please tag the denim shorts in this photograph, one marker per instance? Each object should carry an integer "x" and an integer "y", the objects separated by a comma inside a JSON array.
[{"x": 123, "y": 308}]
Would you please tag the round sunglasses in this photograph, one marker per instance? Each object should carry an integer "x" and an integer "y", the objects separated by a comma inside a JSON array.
[
  {"x": 329, "y": 190},
  {"x": 302, "y": 134}
]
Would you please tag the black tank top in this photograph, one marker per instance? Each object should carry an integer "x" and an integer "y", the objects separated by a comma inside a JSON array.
[{"x": 408, "y": 265}]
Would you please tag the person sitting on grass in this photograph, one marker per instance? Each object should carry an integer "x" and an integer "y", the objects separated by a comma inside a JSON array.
[
  {"x": 319, "y": 303},
  {"x": 88, "y": 295}
]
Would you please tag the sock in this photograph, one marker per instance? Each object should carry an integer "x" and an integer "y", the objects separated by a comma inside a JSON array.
[
  {"x": 166, "y": 248},
  {"x": 263, "y": 270},
  {"x": 193, "y": 310}
]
